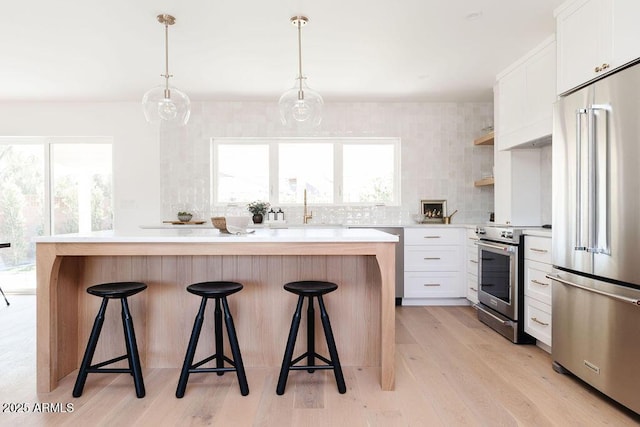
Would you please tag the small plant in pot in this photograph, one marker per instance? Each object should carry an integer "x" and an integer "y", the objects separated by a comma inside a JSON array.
[
  {"x": 258, "y": 209},
  {"x": 185, "y": 216}
]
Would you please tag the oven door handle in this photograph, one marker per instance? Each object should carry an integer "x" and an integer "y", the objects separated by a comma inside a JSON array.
[
  {"x": 501, "y": 248},
  {"x": 504, "y": 322}
]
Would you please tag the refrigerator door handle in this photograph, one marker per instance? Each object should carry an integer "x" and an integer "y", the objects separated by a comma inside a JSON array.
[
  {"x": 592, "y": 290},
  {"x": 579, "y": 246},
  {"x": 600, "y": 219}
]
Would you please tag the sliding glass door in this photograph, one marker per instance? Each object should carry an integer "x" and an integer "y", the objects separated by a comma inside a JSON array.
[{"x": 49, "y": 186}]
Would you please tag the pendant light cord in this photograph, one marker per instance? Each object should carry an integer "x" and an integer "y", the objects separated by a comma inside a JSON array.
[
  {"x": 300, "y": 91},
  {"x": 167, "y": 92}
]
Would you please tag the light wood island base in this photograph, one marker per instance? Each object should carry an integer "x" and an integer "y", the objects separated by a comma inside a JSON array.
[{"x": 361, "y": 310}]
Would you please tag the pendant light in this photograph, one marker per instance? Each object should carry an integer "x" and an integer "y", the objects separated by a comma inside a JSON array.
[
  {"x": 164, "y": 103},
  {"x": 300, "y": 104}
]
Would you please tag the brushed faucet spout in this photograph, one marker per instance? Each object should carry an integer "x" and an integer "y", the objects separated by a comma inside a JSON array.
[{"x": 306, "y": 216}]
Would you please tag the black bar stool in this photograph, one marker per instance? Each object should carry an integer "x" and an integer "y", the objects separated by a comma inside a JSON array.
[
  {"x": 219, "y": 291},
  {"x": 310, "y": 289},
  {"x": 108, "y": 291}
]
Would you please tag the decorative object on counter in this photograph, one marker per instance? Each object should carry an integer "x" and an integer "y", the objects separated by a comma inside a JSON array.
[
  {"x": 237, "y": 224},
  {"x": 198, "y": 222},
  {"x": 271, "y": 215},
  {"x": 185, "y": 216},
  {"x": 280, "y": 215},
  {"x": 447, "y": 219},
  {"x": 162, "y": 103},
  {"x": 432, "y": 211},
  {"x": 300, "y": 104},
  {"x": 258, "y": 209},
  {"x": 220, "y": 223}
]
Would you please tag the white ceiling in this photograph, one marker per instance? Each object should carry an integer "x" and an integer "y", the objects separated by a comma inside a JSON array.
[{"x": 409, "y": 50}]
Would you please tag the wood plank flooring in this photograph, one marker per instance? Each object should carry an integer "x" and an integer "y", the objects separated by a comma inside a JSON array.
[{"x": 451, "y": 370}]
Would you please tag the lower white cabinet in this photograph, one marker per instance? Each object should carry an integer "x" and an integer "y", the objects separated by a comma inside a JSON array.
[
  {"x": 434, "y": 266},
  {"x": 472, "y": 265},
  {"x": 537, "y": 289}
]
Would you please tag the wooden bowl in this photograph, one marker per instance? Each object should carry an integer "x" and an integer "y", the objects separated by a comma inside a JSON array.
[{"x": 220, "y": 223}]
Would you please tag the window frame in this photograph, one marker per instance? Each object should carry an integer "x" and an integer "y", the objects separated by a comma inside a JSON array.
[{"x": 338, "y": 143}]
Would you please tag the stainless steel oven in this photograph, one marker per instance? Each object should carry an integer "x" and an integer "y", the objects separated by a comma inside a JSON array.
[{"x": 501, "y": 281}]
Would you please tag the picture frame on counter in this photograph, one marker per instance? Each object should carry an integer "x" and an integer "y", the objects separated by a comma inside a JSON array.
[{"x": 433, "y": 211}]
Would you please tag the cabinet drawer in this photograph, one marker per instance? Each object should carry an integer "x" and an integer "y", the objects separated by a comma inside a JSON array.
[
  {"x": 434, "y": 285},
  {"x": 537, "y": 318},
  {"x": 472, "y": 288},
  {"x": 537, "y": 248},
  {"x": 472, "y": 254},
  {"x": 432, "y": 258},
  {"x": 433, "y": 236},
  {"x": 471, "y": 234},
  {"x": 536, "y": 284}
]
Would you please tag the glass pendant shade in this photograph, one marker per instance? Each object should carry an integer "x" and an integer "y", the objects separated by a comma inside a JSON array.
[
  {"x": 301, "y": 104},
  {"x": 157, "y": 107},
  {"x": 165, "y": 103}
]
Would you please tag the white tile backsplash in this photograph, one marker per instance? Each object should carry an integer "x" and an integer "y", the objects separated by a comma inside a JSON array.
[{"x": 439, "y": 160}]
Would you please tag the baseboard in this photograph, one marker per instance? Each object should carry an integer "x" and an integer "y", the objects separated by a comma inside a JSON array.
[{"x": 434, "y": 301}]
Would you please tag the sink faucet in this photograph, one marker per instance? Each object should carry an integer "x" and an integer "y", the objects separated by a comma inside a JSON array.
[{"x": 306, "y": 216}]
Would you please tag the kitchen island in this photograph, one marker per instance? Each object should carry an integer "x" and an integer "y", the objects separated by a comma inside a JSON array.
[{"x": 360, "y": 261}]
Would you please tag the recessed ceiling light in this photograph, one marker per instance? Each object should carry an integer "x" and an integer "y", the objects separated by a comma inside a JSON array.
[{"x": 473, "y": 15}]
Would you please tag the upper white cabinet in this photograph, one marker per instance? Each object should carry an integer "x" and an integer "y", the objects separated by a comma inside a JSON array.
[
  {"x": 594, "y": 38},
  {"x": 525, "y": 93}
]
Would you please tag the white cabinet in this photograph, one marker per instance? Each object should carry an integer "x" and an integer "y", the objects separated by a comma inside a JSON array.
[
  {"x": 525, "y": 95},
  {"x": 595, "y": 37},
  {"x": 472, "y": 266},
  {"x": 517, "y": 187},
  {"x": 434, "y": 272},
  {"x": 537, "y": 289}
]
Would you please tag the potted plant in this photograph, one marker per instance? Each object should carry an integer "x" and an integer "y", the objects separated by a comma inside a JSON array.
[
  {"x": 258, "y": 209},
  {"x": 184, "y": 216}
]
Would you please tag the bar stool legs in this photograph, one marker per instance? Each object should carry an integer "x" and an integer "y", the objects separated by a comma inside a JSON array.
[
  {"x": 212, "y": 290},
  {"x": 107, "y": 291},
  {"x": 311, "y": 355}
]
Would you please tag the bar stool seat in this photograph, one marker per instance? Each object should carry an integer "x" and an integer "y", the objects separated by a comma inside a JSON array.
[
  {"x": 218, "y": 290},
  {"x": 310, "y": 289},
  {"x": 107, "y": 291}
]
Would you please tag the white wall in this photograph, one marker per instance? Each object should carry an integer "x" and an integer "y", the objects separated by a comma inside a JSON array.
[
  {"x": 157, "y": 172},
  {"x": 439, "y": 160},
  {"x": 135, "y": 152}
]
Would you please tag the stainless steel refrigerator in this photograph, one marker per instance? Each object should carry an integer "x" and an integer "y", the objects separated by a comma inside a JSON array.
[{"x": 596, "y": 236}]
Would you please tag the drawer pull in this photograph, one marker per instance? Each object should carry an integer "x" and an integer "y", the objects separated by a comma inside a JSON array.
[
  {"x": 431, "y": 237},
  {"x": 535, "y": 319},
  {"x": 431, "y": 284},
  {"x": 474, "y": 238},
  {"x": 542, "y": 251},
  {"x": 432, "y": 258},
  {"x": 474, "y": 289},
  {"x": 537, "y": 282},
  {"x": 473, "y": 261}
]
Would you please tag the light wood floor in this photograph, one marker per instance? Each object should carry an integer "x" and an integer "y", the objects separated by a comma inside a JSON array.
[{"x": 450, "y": 371}]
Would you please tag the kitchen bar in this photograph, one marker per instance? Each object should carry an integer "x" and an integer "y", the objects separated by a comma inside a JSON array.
[{"x": 360, "y": 261}]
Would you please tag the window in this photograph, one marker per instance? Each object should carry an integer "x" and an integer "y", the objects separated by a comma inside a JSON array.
[
  {"x": 49, "y": 185},
  {"x": 332, "y": 170}
]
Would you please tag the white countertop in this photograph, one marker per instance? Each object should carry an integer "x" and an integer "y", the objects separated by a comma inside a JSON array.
[
  {"x": 541, "y": 232},
  {"x": 208, "y": 235}
]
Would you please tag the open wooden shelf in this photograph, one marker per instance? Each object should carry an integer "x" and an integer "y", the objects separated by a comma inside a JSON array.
[
  {"x": 483, "y": 182},
  {"x": 485, "y": 139}
]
